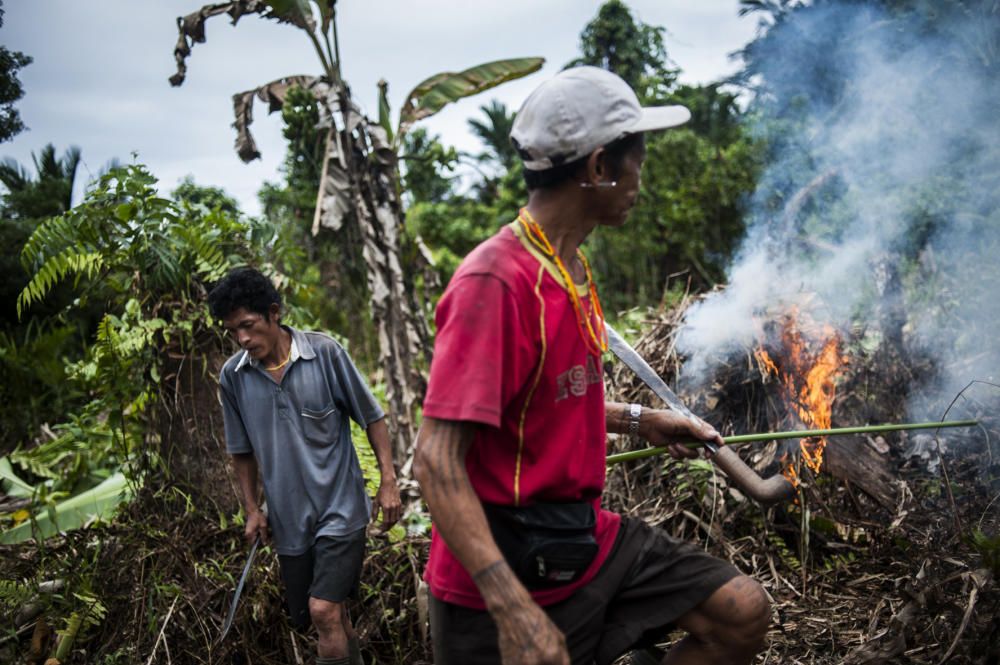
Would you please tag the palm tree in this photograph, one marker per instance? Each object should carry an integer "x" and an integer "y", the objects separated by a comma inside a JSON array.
[
  {"x": 29, "y": 199},
  {"x": 48, "y": 193},
  {"x": 494, "y": 132}
]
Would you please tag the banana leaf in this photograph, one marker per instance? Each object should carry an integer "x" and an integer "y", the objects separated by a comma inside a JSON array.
[
  {"x": 436, "y": 92},
  {"x": 11, "y": 484},
  {"x": 273, "y": 94},
  {"x": 73, "y": 513},
  {"x": 296, "y": 12},
  {"x": 191, "y": 29}
]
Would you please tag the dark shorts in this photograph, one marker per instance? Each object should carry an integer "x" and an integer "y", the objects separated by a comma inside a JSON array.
[
  {"x": 648, "y": 582},
  {"x": 329, "y": 570}
]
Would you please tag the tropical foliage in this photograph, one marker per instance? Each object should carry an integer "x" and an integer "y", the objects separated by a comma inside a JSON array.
[
  {"x": 146, "y": 260},
  {"x": 28, "y": 199},
  {"x": 11, "y": 89},
  {"x": 330, "y": 288},
  {"x": 634, "y": 50},
  {"x": 35, "y": 350}
]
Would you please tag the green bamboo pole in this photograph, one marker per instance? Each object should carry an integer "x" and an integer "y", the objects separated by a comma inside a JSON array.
[{"x": 798, "y": 434}]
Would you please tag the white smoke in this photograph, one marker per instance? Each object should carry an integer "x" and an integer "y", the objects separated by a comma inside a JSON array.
[{"x": 902, "y": 166}]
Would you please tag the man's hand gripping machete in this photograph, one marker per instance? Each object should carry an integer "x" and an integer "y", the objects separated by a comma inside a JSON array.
[{"x": 775, "y": 488}]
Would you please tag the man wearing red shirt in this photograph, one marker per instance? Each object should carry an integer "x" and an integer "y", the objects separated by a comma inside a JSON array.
[{"x": 525, "y": 565}]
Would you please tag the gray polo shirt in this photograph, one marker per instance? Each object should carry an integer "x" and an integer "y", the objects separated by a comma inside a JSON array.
[{"x": 301, "y": 436}]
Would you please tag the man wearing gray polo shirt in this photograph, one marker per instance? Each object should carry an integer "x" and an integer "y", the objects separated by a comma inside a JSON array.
[{"x": 286, "y": 398}]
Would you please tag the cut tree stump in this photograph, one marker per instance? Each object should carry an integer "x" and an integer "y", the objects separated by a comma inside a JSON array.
[{"x": 855, "y": 460}]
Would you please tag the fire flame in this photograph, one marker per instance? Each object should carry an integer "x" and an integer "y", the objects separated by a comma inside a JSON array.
[{"x": 808, "y": 378}]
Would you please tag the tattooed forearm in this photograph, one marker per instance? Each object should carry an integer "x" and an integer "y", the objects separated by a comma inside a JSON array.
[
  {"x": 440, "y": 461},
  {"x": 498, "y": 583},
  {"x": 525, "y": 631},
  {"x": 488, "y": 570},
  {"x": 616, "y": 417},
  {"x": 455, "y": 448},
  {"x": 439, "y": 467}
]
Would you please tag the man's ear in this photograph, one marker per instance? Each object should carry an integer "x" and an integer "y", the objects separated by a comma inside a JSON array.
[
  {"x": 274, "y": 313},
  {"x": 597, "y": 170}
]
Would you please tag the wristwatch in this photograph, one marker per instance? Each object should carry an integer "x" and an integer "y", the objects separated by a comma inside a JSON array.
[{"x": 634, "y": 413}]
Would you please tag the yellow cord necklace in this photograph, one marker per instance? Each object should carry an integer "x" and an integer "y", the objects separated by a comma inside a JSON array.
[
  {"x": 596, "y": 342},
  {"x": 282, "y": 364}
]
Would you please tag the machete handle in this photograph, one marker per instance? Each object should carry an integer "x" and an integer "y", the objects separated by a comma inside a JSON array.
[{"x": 776, "y": 488}]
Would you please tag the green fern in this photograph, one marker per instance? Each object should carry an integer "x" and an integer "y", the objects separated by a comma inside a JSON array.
[
  {"x": 70, "y": 261},
  {"x": 786, "y": 555},
  {"x": 14, "y": 594},
  {"x": 148, "y": 258},
  {"x": 205, "y": 243},
  {"x": 94, "y": 610},
  {"x": 52, "y": 233}
]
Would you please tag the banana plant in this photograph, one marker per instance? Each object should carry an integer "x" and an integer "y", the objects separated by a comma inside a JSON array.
[
  {"x": 360, "y": 176},
  {"x": 11, "y": 484},
  {"x": 72, "y": 513}
]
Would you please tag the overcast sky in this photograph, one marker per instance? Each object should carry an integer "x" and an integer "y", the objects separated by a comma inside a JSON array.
[{"x": 99, "y": 76}]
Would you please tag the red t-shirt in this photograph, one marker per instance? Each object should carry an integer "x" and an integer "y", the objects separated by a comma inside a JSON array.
[{"x": 508, "y": 354}]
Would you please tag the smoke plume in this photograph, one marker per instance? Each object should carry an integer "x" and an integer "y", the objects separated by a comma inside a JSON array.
[{"x": 881, "y": 191}]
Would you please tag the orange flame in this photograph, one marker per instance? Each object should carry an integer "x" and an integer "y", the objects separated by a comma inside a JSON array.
[
  {"x": 789, "y": 473},
  {"x": 765, "y": 363},
  {"x": 808, "y": 380}
]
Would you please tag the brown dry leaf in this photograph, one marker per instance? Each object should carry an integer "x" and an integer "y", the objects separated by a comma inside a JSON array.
[
  {"x": 192, "y": 29},
  {"x": 334, "y": 200},
  {"x": 40, "y": 637},
  {"x": 273, "y": 94}
]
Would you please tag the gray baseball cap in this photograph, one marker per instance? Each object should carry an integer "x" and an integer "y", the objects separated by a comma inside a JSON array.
[{"x": 579, "y": 110}]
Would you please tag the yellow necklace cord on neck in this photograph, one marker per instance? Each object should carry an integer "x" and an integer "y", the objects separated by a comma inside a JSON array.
[
  {"x": 595, "y": 343},
  {"x": 602, "y": 337},
  {"x": 282, "y": 364}
]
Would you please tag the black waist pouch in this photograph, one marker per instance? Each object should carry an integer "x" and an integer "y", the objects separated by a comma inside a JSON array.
[{"x": 546, "y": 544}]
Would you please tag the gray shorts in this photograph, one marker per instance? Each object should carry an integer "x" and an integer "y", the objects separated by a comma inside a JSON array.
[
  {"x": 329, "y": 570},
  {"x": 648, "y": 582}
]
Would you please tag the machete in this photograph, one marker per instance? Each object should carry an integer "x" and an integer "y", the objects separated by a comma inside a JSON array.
[
  {"x": 773, "y": 489},
  {"x": 239, "y": 590}
]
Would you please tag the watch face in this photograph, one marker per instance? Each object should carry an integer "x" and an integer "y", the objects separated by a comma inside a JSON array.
[{"x": 634, "y": 412}]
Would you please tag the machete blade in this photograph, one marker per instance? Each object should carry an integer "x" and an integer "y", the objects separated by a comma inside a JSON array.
[
  {"x": 624, "y": 352},
  {"x": 239, "y": 590}
]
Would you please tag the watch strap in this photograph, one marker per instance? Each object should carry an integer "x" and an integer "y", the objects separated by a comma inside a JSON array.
[{"x": 634, "y": 414}]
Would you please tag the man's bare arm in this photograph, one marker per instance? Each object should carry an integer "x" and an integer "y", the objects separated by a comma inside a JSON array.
[
  {"x": 387, "y": 499},
  {"x": 526, "y": 634},
  {"x": 661, "y": 427},
  {"x": 616, "y": 417},
  {"x": 245, "y": 468}
]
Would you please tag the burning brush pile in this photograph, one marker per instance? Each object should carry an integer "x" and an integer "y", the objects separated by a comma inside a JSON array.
[
  {"x": 889, "y": 551},
  {"x": 863, "y": 293}
]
